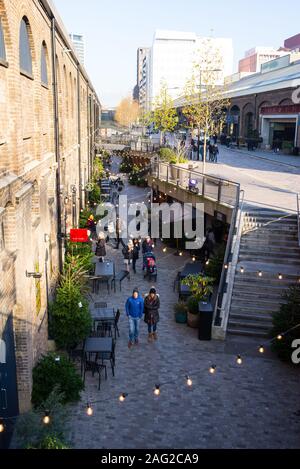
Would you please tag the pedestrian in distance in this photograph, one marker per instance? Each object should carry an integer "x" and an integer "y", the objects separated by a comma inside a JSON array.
[
  {"x": 100, "y": 247},
  {"x": 134, "y": 310},
  {"x": 215, "y": 153},
  {"x": 128, "y": 256},
  {"x": 135, "y": 253},
  {"x": 151, "y": 310},
  {"x": 148, "y": 245},
  {"x": 211, "y": 152},
  {"x": 92, "y": 226}
]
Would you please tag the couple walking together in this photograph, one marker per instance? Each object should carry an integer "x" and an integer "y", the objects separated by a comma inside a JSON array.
[{"x": 136, "y": 307}]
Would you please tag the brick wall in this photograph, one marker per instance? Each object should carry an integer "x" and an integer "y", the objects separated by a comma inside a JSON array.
[{"x": 28, "y": 205}]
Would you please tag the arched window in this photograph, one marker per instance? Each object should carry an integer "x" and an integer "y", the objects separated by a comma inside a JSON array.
[
  {"x": 44, "y": 70},
  {"x": 2, "y": 44},
  {"x": 24, "y": 48}
]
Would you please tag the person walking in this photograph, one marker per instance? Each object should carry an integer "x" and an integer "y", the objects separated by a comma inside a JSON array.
[
  {"x": 151, "y": 309},
  {"x": 135, "y": 253},
  {"x": 100, "y": 247},
  {"x": 211, "y": 152},
  {"x": 215, "y": 153},
  {"x": 128, "y": 256},
  {"x": 91, "y": 225},
  {"x": 134, "y": 310},
  {"x": 147, "y": 245}
]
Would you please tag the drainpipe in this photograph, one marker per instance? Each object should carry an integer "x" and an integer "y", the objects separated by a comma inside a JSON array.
[
  {"x": 57, "y": 150},
  {"x": 79, "y": 136}
]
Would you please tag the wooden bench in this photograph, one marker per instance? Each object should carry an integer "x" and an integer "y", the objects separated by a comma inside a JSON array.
[{"x": 119, "y": 277}]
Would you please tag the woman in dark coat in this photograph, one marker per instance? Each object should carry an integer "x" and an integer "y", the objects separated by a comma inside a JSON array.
[
  {"x": 151, "y": 307},
  {"x": 100, "y": 247},
  {"x": 135, "y": 253}
]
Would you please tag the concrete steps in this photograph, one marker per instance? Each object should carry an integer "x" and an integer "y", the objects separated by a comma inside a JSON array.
[{"x": 269, "y": 244}]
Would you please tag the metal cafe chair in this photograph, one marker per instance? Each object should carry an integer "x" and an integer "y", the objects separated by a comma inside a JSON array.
[{"x": 90, "y": 363}]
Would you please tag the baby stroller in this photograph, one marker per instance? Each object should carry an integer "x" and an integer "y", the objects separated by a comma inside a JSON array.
[{"x": 149, "y": 266}]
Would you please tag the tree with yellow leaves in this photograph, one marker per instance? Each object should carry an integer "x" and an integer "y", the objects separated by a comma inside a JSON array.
[{"x": 127, "y": 112}]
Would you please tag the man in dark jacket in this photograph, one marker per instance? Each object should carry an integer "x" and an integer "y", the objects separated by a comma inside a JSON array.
[
  {"x": 151, "y": 307},
  {"x": 134, "y": 310},
  {"x": 147, "y": 245}
]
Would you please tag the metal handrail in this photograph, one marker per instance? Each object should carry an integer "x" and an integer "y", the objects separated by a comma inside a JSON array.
[
  {"x": 298, "y": 217},
  {"x": 205, "y": 178},
  {"x": 234, "y": 229}
]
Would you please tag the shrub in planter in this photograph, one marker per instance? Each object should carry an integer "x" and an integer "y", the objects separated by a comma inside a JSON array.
[
  {"x": 180, "y": 310},
  {"x": 71, "y": 321},
  {"x": 50, "y": 374},
  {"x": 286, "y": 318},
  {"x": 201, "y": 286},
  {"x": 30, "y": 432},
  {"x": 167, "y": 155},
  {"x": 193, "y": 312}
]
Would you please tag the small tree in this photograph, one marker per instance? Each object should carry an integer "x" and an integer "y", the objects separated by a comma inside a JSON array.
[
  {"x": 285, "y": 319},
  {"x": 200, "y": 286},
  {"x": 206, "y": 107},
  {"x": 71, "y": 321},
  {"x": 164, "y": 115},
  {"x": 127, "y": 112}
]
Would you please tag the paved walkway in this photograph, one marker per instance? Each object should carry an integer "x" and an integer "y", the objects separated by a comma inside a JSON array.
[
  {"x": 266, "y": 178},
  {"x": 249, "y": 406}
]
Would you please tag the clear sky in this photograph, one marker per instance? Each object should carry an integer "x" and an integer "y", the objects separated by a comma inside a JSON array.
[{"x": 114, "y": 29}]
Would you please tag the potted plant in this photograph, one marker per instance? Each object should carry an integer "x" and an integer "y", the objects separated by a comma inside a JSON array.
[
  {"x": 193, "y": 312},
  {"x": 180, "y": 310},
  {"x": 201, "y": 288}
]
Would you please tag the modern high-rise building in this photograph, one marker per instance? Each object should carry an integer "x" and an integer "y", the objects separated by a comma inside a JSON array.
[
  {"x": 171, "y": 59},
  {"x": 79, "y": 46}
]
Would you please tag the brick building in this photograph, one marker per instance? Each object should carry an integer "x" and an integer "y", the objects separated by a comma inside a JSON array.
[{"x": 49, "y": 121}]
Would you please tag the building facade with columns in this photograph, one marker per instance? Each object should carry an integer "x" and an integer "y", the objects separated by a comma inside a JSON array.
[{"x": 49, "y": 121}]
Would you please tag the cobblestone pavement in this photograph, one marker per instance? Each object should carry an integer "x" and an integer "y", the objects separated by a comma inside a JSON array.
[{"x": 248, "y": 406}]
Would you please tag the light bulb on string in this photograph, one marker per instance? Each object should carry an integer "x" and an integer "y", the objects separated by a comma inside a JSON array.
[
  {"x": 212, "y": 369},
  {"x": 181, "y": 254},
  {"x": 280, "y": 337},
  {"x": 194, "y": 259},
  {"x": 207, "y": 262},
  {"x": 157, "y": 390},
  {"x": 164, "y": 249},
  {"x": 123, "y": 397},
  {"x": 2, "y": 427},
  {"x": 242, "y": 270},
  {"x": 89, "y": 410},
  {"x": 261, "y": 349},
  {"x": 280, "y": 276},
  {"x": 189, "y": 381},
  {"x": 226, "y": 266},
  {"x": 239, "y": 360},
  {"x": 46, "y": 418},
  {"x": 260, "y": 274}
]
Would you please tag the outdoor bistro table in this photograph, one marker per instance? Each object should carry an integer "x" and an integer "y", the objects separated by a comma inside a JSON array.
[
  {"x": 192, "y": 268},
  {"x": 102, "y": 346},
  {"x": 104, "y": 270},
  {"x": 104, "y": 316}
]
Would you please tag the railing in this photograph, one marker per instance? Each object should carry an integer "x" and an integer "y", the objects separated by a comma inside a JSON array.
[
  {"x": 234, "y": 231},
  {"x": 216, "y": 189},
  {"x": 298, "y": 217}
]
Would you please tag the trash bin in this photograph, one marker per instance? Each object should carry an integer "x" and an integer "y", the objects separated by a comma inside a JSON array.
[{"x": 206, "y": 312}]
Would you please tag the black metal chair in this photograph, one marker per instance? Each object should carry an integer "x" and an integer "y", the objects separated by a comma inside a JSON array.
[
  {"x": 90, "y": 363},
  {"x": 110, "y": 357},
  {"x": 117, "y": 318},
  {"x": 177, "y": 281},
  {"x": 119, "y": 277}
]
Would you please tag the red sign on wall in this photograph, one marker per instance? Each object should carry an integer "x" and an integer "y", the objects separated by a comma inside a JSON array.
[
  {"x": 79, "y": 236},
  {"x": 291, "y": 109}
]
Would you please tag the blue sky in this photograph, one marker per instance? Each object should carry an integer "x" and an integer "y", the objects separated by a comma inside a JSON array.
[{"x": 114, "y": 30}]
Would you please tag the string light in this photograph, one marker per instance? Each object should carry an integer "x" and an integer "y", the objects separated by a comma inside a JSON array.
[
  {"x": 123, "y": 397},
  {"x": 157, "y": 390},
  {"x": 239, "y": 360},
  {"x": 164, "y": 249},
  {"x": 260, "y": 273},
  {"x": 193, "y": 258},
  {"x": 181, "y": 253},
  {"x": 226, "y": 266},
  {"x": 242, "y": 270},
  {"x": 46, "y": 418},
  {"x": 207, "y": 262},
  {"x": 212, "y": 369},
  {"x": 280, "y": 276},
  {"x": 189, "y": 382},
  {"x": 280, "y": 337},
  {"x": 261, "y": 349},
  {"x": 2, "y": 427},
  {"x": 89, "y": 410}
]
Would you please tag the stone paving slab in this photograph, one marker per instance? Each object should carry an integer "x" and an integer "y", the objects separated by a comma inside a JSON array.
[{"x": 248, "y": 406}]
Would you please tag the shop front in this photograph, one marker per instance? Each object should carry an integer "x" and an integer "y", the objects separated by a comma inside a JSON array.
[{"x": 280, "y": 128}]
